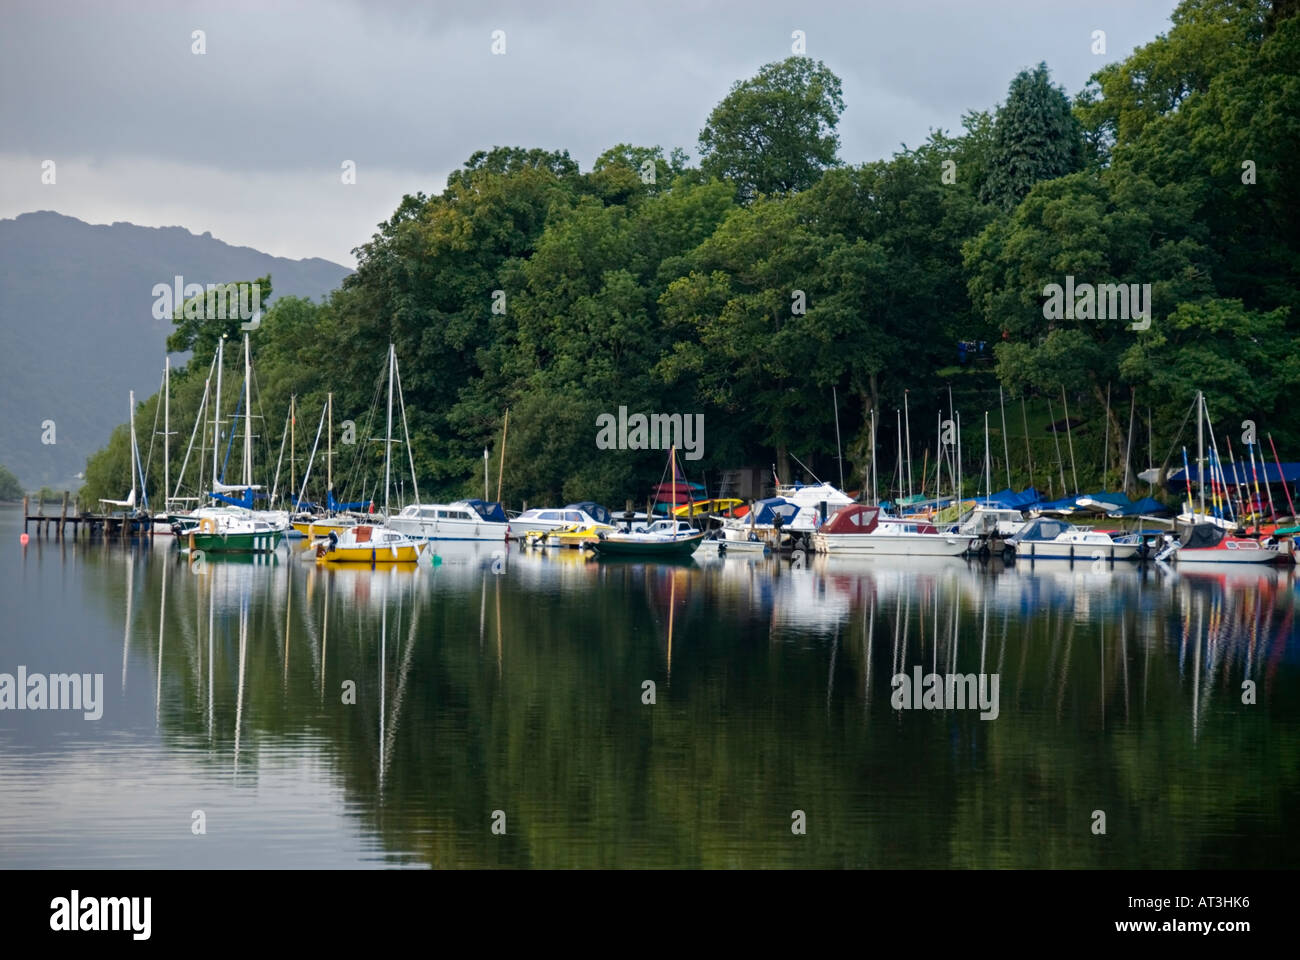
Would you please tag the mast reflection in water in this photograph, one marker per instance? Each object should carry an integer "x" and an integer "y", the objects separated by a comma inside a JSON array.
[{"x": 358, "y": 717}]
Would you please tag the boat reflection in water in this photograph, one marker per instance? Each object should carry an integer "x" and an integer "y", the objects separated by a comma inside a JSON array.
[{"x": 636, "y": 713}]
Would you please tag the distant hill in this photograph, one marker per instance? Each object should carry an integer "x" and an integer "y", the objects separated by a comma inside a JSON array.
[{"x": 78, "y": 331}]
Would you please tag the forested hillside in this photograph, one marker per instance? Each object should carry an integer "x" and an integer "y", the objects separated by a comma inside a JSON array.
[{"x": 750, "y": 283}]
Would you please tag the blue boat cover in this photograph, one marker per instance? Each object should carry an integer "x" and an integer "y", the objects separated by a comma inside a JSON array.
[
  {"x": 1268, "y": 473},
  {"x": 766, "y": 510},
  {"x": 1009, "y": 500},
  {"x": 244, "y": 500},
  {"x": 1119, "y": 501},
  {"x": 334, "y": 506},
  {"x": 1059, "y": 506},
  {"x": 1146, "y": 505},
  {"x": 492, "y": 512}
]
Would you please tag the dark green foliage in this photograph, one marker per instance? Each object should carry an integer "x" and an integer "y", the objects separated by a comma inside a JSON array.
[
  {"x": 1035, "y": 138},
  {"x": 775, "y": 132},
  {"x": 644, "y": 283},
  {"x": 10, "y": 488}
]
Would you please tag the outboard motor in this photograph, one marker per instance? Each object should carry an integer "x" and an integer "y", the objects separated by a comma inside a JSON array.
[{"x": 1169, "y": 549}]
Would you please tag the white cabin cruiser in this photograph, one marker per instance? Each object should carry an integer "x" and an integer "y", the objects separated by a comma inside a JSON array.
[
  {"x": 462, "y": 520},
  {"x": 1048, "y": 539},
  {"x": 809, "y": 499},
  {"x": 857, "y": 529},
  {"x": 549, "y": 519}
]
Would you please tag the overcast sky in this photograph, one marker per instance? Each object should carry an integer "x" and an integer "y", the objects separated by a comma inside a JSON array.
[{"x": 247, "y": 139}]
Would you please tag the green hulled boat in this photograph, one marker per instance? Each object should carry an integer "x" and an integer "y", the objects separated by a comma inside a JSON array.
[
  {"x": 235, "y": 536},
  {"x": 664, "y": 538},
  {"x": 633, "y": 546}
]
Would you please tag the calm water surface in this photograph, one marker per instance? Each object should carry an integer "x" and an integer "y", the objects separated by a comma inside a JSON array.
[{"x": 521, "y": 691}]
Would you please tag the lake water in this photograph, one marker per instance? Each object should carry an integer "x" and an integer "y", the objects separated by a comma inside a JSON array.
[{"x": 509, "y": 694}]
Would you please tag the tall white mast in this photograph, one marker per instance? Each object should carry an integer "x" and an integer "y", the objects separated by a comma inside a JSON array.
[
  {"x": 216, "y": 411},
  {"x": 938, "y": 459},
  {"x": 875, "y": 496},
  {"x": 131, "y": 401},
  {"x": 839, "y": 453},
  {"x": 329, "y": 455},
  {"x": 248, "y": 416},
  {"x": 902, "y": 469},
  {"x": 907, "y": 418},
  {"x": 1200, "y": 446},
  {"x": 167, "y": 429},
  {"x": 961, "y": 477},
  {"x": 1006, "y": 445},
  {"x": 388, "y": 436},
  {"x": 988, "y": 459}
]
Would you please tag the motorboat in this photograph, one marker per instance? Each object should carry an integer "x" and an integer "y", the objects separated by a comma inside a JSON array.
[
  {"x": 858, "y": 529},
  {"x": 1045, "y": 538},
  {"x": 1210, "y": 543},
  {"x": 462, "y": 520},
  {"x": 575, "y": 535},
  {"x": 814, "y": 502},
  {"x": 983, "y": 521},
  {"x": 736, "y": 539},
  {"x": 547, "y": 519}
]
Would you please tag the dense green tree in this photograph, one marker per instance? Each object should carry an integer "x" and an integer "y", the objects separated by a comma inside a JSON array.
[
  {"x": 10, "y": 488},
  {"x": 197, "y": 329},
  {"x": 1035, "y": 137},
  {"x": 1244, "y": 361},
  {"x": 775, "y": 132},
  {"x": 530, "y": 285},
  {"x": 1077, "y": 230}
]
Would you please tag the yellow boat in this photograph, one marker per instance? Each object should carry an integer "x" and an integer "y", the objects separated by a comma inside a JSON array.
[
  {"x": 311, "y": 529},
  {"x": 574, "y": 535},
  {"x": 369, "y": 544},
  {"x": 578, "y": 535},
  {"x": 721, "y": 505}
]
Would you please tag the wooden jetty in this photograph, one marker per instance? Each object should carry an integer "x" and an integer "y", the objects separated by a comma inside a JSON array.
[{"x": 106, "y": 525}]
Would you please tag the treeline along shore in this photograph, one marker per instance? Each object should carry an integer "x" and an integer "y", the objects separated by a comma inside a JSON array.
[{"x": 771, "y": 286}]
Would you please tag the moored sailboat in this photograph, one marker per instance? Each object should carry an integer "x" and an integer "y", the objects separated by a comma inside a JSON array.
[
  {"x": 857, "y": 529},
  {"x": 1208, "y": 543},
  {"x": 374, "y": 543},
  {"x": 665, "y": 539}
]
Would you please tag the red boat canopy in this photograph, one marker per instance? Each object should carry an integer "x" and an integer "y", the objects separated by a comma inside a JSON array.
[{"x": 855, "y": 518}]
